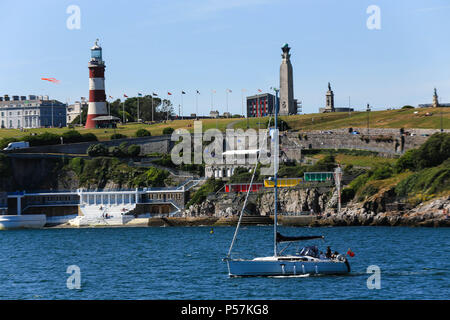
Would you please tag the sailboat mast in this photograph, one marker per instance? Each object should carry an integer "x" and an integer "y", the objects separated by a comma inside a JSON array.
[{"x": 275, "y": 161}]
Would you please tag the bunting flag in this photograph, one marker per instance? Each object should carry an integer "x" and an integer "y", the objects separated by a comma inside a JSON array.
[
  {"x": 111, "y": 97},
  {"x": 53, "y": 80},
  {"x": 125, "y": 95},
  {"x": 259, "y": 90},
  {"x": 198, "y": 92},
  {"x": 154, "y": 94},
  {"x": 139, "y": 94},
  {"x": 169, "y": 93},
  {"x": 229, "y": 90},
  {"x": 213, "y": 91},
  {"x": 182, "y": 92}
]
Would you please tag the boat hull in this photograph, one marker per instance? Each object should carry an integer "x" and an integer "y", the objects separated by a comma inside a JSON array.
[
  {"x": 255, "y": 268},
  {"x": 32, "y": 221}
]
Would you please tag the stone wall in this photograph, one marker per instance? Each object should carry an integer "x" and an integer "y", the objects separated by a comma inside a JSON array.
[
  {"x": 160, "y": 144},
  {"x": 388, "y": 141}
]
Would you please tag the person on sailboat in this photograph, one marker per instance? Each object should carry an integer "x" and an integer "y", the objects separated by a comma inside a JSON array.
[{"x": 328, "y": 254}]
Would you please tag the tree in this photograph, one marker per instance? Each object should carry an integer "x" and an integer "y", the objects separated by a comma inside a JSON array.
[
  {"x": 97, "y": 150},
  {"x": 142, "y": 133}
]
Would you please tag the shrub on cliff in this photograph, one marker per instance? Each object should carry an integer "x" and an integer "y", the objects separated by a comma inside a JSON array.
[
  {"x": 382, "y": 172},
  {"x": 428, "y": 181},
  {"x": 43, "y": 139},
  {"x": 210, "y": 186},
  {"x": 77, "y": 164},
  {"x": 134, "y": 150},
  {"x": 97, "y": 150},
  {"x": 74, "y": 136},
  {"x": 155, "y": 177},
  {"x": 142, "y": 133},
  {"x": 117, "y": 136},
  {"x": 408, "y": 161},
  {"x": 435, "y": 151},
  {"x": 328, "y": 163},
  {"x": 168, "y": 130},
  {"x": 87, "y": 137},
  {"x": 432, "y": 153}
]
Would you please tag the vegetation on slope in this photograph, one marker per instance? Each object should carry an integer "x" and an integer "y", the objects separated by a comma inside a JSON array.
[
  {"x": 210, "y": 186},
  {"x": 103, "y": 170},
  {"x": 419, "y": 174}
]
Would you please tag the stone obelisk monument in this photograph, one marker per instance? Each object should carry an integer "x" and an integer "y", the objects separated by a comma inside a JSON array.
[
  {"x": 435, "y": 99},
  {"x": 287, "y": 103}
]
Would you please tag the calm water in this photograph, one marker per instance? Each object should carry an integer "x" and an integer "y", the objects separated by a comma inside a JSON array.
[{"x": 185, "y": 263}]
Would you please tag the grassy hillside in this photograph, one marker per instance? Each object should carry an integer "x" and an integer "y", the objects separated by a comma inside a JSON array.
[{"x": 402, "y": 118}]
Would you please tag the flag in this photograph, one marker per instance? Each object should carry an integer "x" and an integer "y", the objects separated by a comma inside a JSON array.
[
  {"x": 125, "y": 96},
  {"x": 213, "y": 91},
  {"x": 111, "y": 97},
  {"x": 229, "y": 90},
  {"x": 182, "y": 92},
  {"x": 350, "y": 253},
  {"x": 139, "y": 94},
  {"x": 169, "y": 93},
  {"x": 155, "y": 94},
  {"x": 198, "y": 92},
  {"x": 259, "y": 90}
]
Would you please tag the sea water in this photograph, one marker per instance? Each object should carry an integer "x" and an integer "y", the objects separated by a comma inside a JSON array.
[{"x": 186, "y": 263}]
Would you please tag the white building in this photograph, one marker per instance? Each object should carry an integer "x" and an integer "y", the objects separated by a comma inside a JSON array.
[
  {"x": 74, "y": 110},
  {"x": 18, "y": 112}
]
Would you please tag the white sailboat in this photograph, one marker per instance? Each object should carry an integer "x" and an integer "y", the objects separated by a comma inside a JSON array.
[{"x": 306, "y": 261}]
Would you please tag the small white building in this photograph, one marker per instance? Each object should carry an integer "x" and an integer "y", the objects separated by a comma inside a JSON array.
[{"x": 74, "y": 110}]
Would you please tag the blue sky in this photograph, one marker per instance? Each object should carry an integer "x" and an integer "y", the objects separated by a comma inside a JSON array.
[{"x": 175, "y": 45}]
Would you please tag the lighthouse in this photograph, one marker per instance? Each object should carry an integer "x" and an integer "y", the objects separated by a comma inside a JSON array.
[{"x": 97, "y": 96}]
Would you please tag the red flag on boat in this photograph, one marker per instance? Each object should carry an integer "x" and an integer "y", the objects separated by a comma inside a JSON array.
[{"x": 350, "y": 253}]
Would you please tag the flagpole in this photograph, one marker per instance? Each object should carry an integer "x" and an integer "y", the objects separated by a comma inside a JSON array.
[
  {"x": 212, "y": 102},
  {"x": 81, "y": 110},
  {"x": 152, "y": 107},
  {"x": 196, "y": 103},
  {"x": 227, "y": 100},
  {"x": 123, "y": 111},
  {"x": 138, "y": 108}
]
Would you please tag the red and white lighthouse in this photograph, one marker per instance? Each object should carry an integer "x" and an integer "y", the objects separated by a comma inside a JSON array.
[{"x": 97, "y": 96}]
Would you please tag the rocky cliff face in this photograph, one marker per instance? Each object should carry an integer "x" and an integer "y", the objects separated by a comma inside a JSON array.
[
  {"x": 373, "y": 211},
  {"x": 297, "y": 200},
  {"x": 290, "y": 200},
  {"x": 434, "y": 213}
]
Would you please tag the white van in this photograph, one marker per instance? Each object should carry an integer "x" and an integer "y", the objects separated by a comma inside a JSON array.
[{"x": 17, "y": 145}]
